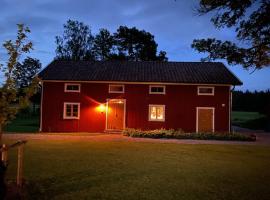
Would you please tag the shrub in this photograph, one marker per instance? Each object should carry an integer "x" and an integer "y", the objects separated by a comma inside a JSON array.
[{"x": 180, "y": 134}]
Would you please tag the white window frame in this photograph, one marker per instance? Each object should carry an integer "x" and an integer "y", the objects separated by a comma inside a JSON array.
[
  {"x": 111, "y": 91},
  {"x": 153, "y": 86},
  {"x": 206, "y": 94},
  {"x": 71, "y": 117},
  {"x": 149, "y": 113},
  {"x": 77, "y": 91}
]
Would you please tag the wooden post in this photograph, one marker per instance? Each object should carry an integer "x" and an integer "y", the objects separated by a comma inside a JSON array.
[
  {"x": 20, "y": 165},
  {"x": 4, "y": 156}
]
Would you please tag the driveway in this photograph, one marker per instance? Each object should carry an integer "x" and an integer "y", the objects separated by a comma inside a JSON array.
[{"x": 262, "y": 138}]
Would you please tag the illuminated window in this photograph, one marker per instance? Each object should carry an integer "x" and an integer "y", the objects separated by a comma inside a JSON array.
[
  {"x": 116, "y": 89},
  {"x": 71, "y": 110},
  {"x": 205, "y": 91},
  {"x": 153, "y": 89},
  {"x": 156, "y": 112},
  {"x": 72, "y": 87}
]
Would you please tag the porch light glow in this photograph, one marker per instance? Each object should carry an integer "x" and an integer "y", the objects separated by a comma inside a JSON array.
[{"x": 101, "y": 108}]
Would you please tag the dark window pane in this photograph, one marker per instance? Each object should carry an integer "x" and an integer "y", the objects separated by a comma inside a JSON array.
[
  {"x": 157, "y": 89},
  {"x": 75, "y": 110},
  {"x": 73, "y": 87},
  {"x": 206, "y": 90}
]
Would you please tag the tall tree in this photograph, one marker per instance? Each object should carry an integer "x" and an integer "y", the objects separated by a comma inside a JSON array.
[
  {"x": 103, "y": 45},
  {"x": 76, "y": 42},
  {"x": 251, "y": 20},
  {"x": 137, "y": 45},
  {"x": 27, "y": 71},
  {"x": 11, "y": 100}
]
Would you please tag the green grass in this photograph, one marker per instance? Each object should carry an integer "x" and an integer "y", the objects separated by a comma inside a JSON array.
[
  {"x": 24, "y": 123},
  {"x": 132, "y": 170},
  {"x": 251, "y": 120},
  {"x": 241, "y": 117}
]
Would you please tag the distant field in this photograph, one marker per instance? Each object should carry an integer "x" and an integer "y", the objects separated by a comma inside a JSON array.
[
  {"x": 239, "y": 116},
  {"x": 252, "y": 120},
  {"x": 24, "y": 123}
]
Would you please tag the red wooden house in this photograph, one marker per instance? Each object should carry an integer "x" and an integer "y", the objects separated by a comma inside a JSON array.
[{"x": 97, "y": 96}]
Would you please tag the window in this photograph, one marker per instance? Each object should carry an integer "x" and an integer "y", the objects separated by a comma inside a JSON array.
[
  {"x": 71, "y": 110},
  {"x": 157, "y": 89},
  {"x": 206, "y": 91},
  {"x": 116, "y": 89},
  {"x": 157, "y": 113},
  {"x": 72, "y": 87}
]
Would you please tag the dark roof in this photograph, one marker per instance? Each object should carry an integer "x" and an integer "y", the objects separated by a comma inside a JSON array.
[{"x": 140, "y": 71}]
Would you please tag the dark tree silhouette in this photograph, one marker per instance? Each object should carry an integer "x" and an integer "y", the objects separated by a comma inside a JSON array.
[
  {"x": 76, "y": 42},
  {"x": 137, "y": 45},
  {"x": 103, "y": 45},
  {"x": 26, "y": 71},
  {"x": 251, "y": 20}
]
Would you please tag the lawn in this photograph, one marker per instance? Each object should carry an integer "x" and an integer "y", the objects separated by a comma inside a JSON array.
[
  {"x": 136, "y": 170},
  {"x": 24, "y": 123},
  {"x": 251, "y": 120}
]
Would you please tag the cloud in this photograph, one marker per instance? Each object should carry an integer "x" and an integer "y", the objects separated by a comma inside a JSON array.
[{"x": 173, "y": 22}]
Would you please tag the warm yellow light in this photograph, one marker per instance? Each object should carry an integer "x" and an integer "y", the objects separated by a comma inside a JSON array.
[{"x": 101, "y": 108}]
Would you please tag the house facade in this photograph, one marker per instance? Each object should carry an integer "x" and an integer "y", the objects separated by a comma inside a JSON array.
[{"x": 111, "y": 96}]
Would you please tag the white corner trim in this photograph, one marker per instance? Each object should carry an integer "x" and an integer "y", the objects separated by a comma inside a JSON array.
[
  {"x": 149, "y": 113},
  {"x": 77, "y": 84},
  {"x": 197, "y": 117},
  {"x": 154, "y": 86},
  {"x": 206, "y": 94},
  {"x": 64, "y": 111},
  {"x": 111, "y": 91}
]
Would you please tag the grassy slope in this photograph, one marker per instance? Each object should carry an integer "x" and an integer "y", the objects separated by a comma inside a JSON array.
[
  {"x": 238, "y": 116},
  {"x": 126, "y": 170},
  {"x": 24, "y": 123},
  {"x": 251, "y": 120}
]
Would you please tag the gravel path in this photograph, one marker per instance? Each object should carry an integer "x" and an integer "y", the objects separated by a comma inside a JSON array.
[{"x": 262, "y": 138}]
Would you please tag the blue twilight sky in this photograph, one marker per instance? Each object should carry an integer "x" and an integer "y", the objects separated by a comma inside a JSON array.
[{"x": 174, "y": 24}]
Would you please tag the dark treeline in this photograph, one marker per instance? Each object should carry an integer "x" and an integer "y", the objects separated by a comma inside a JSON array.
[
  {"x": 252, "y": 101},
  {"x": 78, "y": 43}
]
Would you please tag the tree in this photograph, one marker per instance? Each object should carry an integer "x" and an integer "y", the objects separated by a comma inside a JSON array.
[
  {"x": 26, "y": 71},
  {"x": 103, "y": 45},
  {"x": 76, "y": 42},
  {"x": 253, "y": 32},
  {"x": 137, "y": 45},
  {"x": 11, "y": 100}
]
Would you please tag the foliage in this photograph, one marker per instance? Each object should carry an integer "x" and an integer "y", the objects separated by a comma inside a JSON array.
[
  {"x": 103, "y": 45},
  {"x": 11, "y": 100},
  {"x": 137, "y": 45},
  {"x": 27, "y": 71},
  {"x": 180, "y": 134},
  {"x": 76, "y": 42},
  {"x": 251, "y": 20}
]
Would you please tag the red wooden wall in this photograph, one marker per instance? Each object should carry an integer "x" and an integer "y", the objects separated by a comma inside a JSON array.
[{"x": 180, "y": 100}]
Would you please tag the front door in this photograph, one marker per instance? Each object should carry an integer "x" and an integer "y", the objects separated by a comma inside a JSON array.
[
  {"x": 205, "y": 119},
  {"x": 115, "y": 114}
]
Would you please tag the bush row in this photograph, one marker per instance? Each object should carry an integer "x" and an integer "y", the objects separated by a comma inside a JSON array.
[{"x": 180, "y": 134}]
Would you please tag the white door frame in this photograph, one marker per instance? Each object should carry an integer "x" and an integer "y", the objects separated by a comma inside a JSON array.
[
  {"x": 107, "y": 107},
  {"x": 197, "y": 117}
]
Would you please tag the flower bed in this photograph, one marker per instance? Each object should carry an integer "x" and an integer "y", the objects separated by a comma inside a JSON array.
[{"x": 180, "y": 134}]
